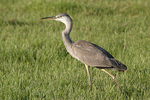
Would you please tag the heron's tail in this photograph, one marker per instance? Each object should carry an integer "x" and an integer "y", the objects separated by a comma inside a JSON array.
[{"x": 117, "y": 65}]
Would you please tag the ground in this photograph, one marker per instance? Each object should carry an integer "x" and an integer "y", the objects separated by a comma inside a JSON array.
[{"x": 34, "y": 63}]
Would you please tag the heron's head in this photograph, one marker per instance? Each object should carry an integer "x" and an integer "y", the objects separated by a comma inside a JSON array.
[{"x": 61, "y": 17}]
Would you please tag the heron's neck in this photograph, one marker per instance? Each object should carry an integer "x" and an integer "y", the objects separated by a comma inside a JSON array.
[{"x": 66, "y": 35}]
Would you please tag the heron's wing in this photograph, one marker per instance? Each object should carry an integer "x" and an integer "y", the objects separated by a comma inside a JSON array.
[
  {"x": 92, "y": 54},
  {"x": 103, "y": 51}
]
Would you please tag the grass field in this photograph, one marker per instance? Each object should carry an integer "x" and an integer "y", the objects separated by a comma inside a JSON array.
[{"x": 34, "y": 63}]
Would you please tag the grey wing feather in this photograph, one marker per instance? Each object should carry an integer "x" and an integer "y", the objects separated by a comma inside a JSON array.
[
  {"x": 92, "y": 54},
  {"x": 104, "y": 51}
]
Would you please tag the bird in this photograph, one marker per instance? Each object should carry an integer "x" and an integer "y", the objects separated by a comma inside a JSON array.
[{"x": 88, "y": 53}]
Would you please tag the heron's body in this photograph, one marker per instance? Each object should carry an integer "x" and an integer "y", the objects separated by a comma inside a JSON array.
[
  {"x": 88, "y": 53},
  {"x": 95, "y": 56}
]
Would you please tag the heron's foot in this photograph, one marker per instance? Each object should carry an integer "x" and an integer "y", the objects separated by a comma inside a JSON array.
[{"x": 90, "y": 85}]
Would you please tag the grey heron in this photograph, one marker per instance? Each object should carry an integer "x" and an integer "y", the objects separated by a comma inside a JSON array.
[{"x": 88, "y": 53}]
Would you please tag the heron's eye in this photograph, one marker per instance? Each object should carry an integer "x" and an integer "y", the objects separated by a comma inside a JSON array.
[{"x": 58, "y": 16}]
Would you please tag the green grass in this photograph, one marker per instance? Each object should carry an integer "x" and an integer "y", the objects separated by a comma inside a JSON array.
[{"x": 34, "y": 63}]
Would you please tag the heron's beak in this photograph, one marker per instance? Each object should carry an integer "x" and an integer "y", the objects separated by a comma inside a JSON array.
[{"x": 52, "y": 18}]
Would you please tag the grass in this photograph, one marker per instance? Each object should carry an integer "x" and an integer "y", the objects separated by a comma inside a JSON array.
[{"x": 34, "y": 63}]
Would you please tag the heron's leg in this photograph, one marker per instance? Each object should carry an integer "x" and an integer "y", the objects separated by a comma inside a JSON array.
[
  {"x": 90, "y": 82},
  {"x": 113, "y": 78}
]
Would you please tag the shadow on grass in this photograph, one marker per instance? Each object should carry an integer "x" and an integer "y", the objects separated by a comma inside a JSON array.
[{"x": 128, "y": 93}]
